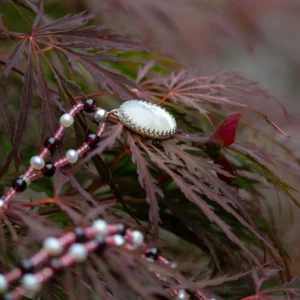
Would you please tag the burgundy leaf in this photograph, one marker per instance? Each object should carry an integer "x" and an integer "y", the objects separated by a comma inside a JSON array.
[
  {"x": 14, "y": 57},
  {"x": 26, "y": 102},
  {"x": 48, "y": 119},
  {"x": 225, "y": 164},
  {"x": 146, "y": 179},
  {"x": 275, "y": 126},
  {"x": 225, "y": 133},
  {"x": 39, "y": 15},
  {"x": 2, "y": 27},
  {"x": 101, "y": 75},
  {"x": 6, "y": 114},
  {"x": 93, "y": 37},
  {"x": 142, "y": 72},
  {"x": 66, "y": 23},
  {"x": 193, "y": 196},
  {"x": 191, "y": 185},
  {"x": 81, "y": 190}
]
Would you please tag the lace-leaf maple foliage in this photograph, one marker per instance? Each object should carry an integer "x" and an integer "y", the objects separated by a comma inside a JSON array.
[{"x": 197, "y": 193}]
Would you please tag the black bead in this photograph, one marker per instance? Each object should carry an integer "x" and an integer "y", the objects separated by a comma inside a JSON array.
[
  {"x": 80, "y": 235},
  {"x": 7, "y": 296},
  {"x": 19, "y": 185},
  {"x": 101, "y": 245},
  {"x": 89, "y": 105},
  {"x": 92, "y": 139},
  {"x": 55, "y": 264},
  {"x": 51, "y": 143},
  {"x": 122, "y": 229},
  {"x": 26, "y": 266},
  {"x": 49, "y": 169},
  {"x": 152, "y": 254}
]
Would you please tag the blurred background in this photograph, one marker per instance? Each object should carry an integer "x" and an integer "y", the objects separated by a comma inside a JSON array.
[{"x": 259, "y": 38}]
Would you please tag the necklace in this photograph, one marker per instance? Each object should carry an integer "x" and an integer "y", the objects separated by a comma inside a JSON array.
[{"x": 142, "y": 117}]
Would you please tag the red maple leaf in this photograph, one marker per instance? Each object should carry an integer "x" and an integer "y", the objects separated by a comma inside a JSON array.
[{"x": 224, "y": 136}]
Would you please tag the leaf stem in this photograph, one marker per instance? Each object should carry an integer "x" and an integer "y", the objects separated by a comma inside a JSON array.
[
  {"x": 164, "y": 99},
  {"x": 39, "y": 202}
]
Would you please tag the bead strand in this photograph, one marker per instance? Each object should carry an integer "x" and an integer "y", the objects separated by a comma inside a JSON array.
[
  {"x": 38, "y": 167},
  {"x": 80, "y": 244},
  {"x": 36, "y": 162},
  {"x": 99, "y": 231},
  {"x": 52, "y": 246}
]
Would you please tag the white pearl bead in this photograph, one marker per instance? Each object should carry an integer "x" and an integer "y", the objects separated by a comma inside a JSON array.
[
  {"x": 100, "y": 227},
  {"x": 182, "y": 295},
  {"x": 173, "y": 265},
  {"x": 72, "y": 156},
  {"x": 2, "y": 203},
  {"x": 37, "y": 162},
  {"x": 31, "y": 283},
  {"x": 137, "y": 238},
  {"x": 100, "y": 115},
  {"x": 79, "y": 252},
  {"x": 118, "y": 239},
  {"x": 66, "y": 120},
  {"x": 3, "y": 283},
  {"x": 53, "y": 246}
]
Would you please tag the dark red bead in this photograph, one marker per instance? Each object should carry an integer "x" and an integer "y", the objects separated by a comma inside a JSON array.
[
  {"x": 89, "y": 105},
  {"x": 101, "y": 245},
  {"x": 122, "y": 229},
  {"x": 26, "y": 266},
  {"x": 80, "y": 235},
  {"x": 19, "y": 185},
  {"x": 49, "y": 169},
  {"x": 92, "y": 139},
  {"x": 55, "y": 264},
  {"x": 51, "y": 143},
  {"x": 152, "y": 254}
]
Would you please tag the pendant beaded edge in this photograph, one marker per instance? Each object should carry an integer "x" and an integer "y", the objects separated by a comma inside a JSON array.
[{"x": 145, "y": 131}]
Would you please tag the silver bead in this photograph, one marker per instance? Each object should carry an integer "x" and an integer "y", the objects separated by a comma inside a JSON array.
[
  {"x": 79, "y": 252},
  {"x": 37, "y": 162},
  {"x": 31, "y": 283},
  {"x": 182, "y": 295},
  {"x": 3, "y": 283},
  {"x": 100, "y": 227},
  {"x": 100, "y": 115},
  {"x": 137, "y": 238},
  {"x": 26, "y": 178},
  {"x": 72, "y": 156},
  {"x": 53, "y": 246},
  {"x": 118, "y": 239},
  {"x": 66, "y": 120}
]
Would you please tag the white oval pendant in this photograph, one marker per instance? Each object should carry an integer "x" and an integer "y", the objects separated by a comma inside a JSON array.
[{"x": 147, "y": 119}]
